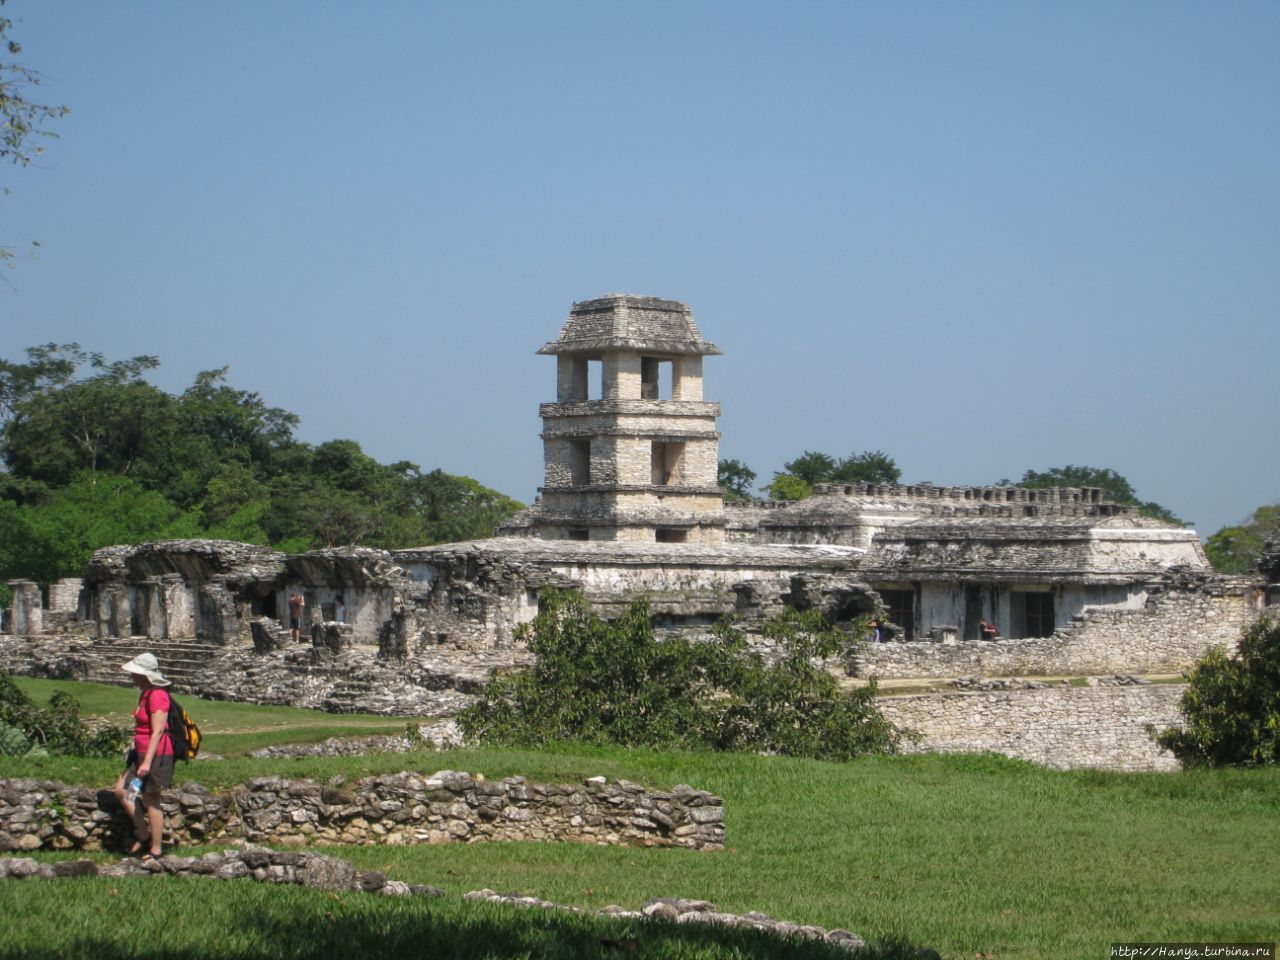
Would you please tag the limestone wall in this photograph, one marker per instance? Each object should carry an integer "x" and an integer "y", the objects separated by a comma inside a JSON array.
[
  {"x": 1060, "y": 727},
  {"x": 1168, "y": 635},
  {"x": 398, "y": 809}
]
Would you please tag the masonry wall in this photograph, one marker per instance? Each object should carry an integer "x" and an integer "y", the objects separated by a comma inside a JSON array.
[
  {"x": 1167, "y": 635},
  {"x": 1060, "y": 727},
  {"x": 398, "y": 809}
]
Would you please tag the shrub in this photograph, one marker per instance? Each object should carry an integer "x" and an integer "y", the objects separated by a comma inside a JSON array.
[
  {"x": 57, "y": 728},
  {"x": 1231, "y": 709},
  {"x": 601, "y": 682}
]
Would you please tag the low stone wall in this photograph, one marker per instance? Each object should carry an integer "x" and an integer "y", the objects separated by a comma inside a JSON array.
[
  {"x": 1168, "y": 635},
  {"x": 405, "y": 808},
  {"x": 1060, "y": 727}
]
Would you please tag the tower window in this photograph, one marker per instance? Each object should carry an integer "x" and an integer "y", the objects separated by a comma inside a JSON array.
[
  {"x": 656, "y": 379},
  {"x": 579, "y": 462},
  {"x": 667, "y": 462}
]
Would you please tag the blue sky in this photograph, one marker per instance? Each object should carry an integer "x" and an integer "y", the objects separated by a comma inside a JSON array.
[{"x": 982, "y": 237}]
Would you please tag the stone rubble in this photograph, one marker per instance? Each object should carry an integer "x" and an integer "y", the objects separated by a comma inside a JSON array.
[{"x": 681, "y": 910}]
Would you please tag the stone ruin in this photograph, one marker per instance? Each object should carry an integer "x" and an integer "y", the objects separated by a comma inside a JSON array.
[{"x": 1077, "y": 586}]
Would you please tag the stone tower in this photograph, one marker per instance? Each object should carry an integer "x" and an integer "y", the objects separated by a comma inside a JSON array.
[{"x": 630, "y": 447}]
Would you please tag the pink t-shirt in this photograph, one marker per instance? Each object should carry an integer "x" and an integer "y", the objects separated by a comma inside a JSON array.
[{"x": 150, "y": 701}]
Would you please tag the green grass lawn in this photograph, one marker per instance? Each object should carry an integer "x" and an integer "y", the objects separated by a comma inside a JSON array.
[{"x": 969, "y": 855}]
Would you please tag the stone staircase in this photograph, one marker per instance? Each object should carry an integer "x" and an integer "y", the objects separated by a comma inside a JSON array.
[{"x": 181, "y": 661}]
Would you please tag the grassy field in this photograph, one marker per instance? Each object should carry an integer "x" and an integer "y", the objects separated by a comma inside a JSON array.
[{"x": 973, "y": 856}]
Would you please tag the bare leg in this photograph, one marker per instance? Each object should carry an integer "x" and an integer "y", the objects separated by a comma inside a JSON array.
[
  {"x": 153, "y": 825},
  {"x": 141, "y": 831}
]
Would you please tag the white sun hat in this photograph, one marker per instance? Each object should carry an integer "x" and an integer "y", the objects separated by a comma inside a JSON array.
[{"x": 146, "y": 665}]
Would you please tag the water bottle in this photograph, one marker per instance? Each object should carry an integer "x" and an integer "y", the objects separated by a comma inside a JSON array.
[{"x": 134, "y": 788}]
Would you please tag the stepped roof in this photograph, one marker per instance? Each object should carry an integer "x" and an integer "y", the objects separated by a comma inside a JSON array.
[{"x": 623, "y": 321}]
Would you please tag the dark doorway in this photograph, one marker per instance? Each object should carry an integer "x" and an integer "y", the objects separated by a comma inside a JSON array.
[{"x": 900, "y": 606}]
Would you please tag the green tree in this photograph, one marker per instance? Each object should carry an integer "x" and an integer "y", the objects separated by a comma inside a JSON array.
[
  {"x": 56, "y": 538},
  {"x": 22, "y": 118},
  {"x": 600, "y": 682},
  {"x": 872, "y": 466},
  {"x": 785, "y": 486},
  {"x": 813, "y": 468},
  {"x": 1114, "y": 487},
  {"x": 112, "y": 421},
  {"x": 1231, "y": 710},
  {"x": 1236, "y": 549},
  {"x": 735, "y": 479}
]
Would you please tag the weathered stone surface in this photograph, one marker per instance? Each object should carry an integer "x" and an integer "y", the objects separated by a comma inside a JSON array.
[
  {"x": 386, "y": 809},
  {"x": 1062, "y": 727}
]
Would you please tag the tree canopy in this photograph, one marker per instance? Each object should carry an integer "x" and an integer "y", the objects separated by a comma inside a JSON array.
[
  {"x": 736, "y": 479},
  {"x": 616, "y": 682},
  {"x": 97, "y": 455},
  {"x": 812, "y": 468},
  {"x": 1237, "y": 549}
]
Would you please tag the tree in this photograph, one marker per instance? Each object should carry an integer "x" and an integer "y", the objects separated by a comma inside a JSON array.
[
  {"x": 22, "y": 118},
  {"x": 812, "y": 468},
  {"x": 1236, "y": 549},
  {"x": 872, "y": 466},
  {"x": 788, "y": 487},
  {"x": 1114, "y": 487},
  {"x": 600, "y": 682},
  {"x": 55, "y": 538},
  {"x": 1231, "y": 710},
  {"x": 735, "y": 479}
]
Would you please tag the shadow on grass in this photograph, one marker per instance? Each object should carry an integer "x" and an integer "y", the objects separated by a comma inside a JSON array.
[{"x": 400, "y": 930}]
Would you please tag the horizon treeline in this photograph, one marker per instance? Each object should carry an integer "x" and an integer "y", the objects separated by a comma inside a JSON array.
[{"x": 94, "y": 455}]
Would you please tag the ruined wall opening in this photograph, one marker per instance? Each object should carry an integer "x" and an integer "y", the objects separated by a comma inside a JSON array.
[
  {"x": 900, "y": 608},
  {"x": 577, "y": 533},
  {"x": 1032, "y": 613},
  {"x": 666, "y": 463},
  {"x": 668, "y": 535},
  {"x": 579, "y": 462},
  {"x": 657, "y": 379}
]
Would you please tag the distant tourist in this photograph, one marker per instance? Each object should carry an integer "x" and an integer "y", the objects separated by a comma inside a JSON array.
[
  {"x": 987, "y": 629},
  {"x": 149, "y": 764},
  {"x": 296, "y": 603},
  {"x": 339, "y": 609},
  {"x": 877, "y": 632}
]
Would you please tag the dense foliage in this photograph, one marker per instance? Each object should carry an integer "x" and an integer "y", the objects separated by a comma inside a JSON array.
[
  {"x": 798, "y": 476},
  {"x": 97, "y": 455},
  {"x": 1237, "y": 549},
  {"x": 615, "y": 682},
  {"x": 1231, "y": 710},
  {"x": 735, "y": 479},
  {"x": 28, "y": 730}
]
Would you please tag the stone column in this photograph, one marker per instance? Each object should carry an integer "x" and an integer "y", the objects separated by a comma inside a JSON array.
[
  {"x": 179, "y": 617},
  {"x": 64, "y": 596},
  {"x": 28, "y": 608},
  {"x": 153, "y": 590}
]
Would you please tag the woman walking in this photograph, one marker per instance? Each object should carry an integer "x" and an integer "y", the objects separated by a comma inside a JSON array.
[{"x": 151, "y": 759}]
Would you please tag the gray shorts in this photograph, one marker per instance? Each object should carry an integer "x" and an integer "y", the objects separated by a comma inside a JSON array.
[{"x": 161, "y": 775}]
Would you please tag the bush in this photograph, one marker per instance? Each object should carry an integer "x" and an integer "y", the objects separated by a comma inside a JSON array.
[
  {"x": 601, "y": 682},
  {"x": 56, "y": 729},
  {"x": 1231, "y": 709}
]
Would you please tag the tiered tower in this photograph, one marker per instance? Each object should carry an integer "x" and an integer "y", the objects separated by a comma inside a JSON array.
[{"x": 630, "y": 447}]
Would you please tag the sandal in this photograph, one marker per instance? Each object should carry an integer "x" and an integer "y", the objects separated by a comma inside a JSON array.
[
  {"x": 150, "y": 857},
  {"x": 139, "y": 844}
]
